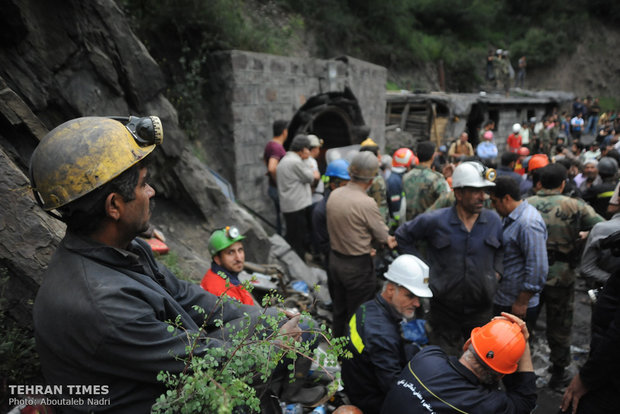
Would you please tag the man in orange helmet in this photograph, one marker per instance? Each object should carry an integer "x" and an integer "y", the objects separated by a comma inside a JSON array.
[
  {"x": 531, "y": 184},
  {"x": 434, "y": 382}
]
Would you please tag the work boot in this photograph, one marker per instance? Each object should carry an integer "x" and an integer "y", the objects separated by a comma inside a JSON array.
[{"x": 560, "y": 378}]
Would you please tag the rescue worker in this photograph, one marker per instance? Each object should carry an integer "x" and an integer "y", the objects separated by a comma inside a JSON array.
[
  {"x": 111, "y": 326},
  {"x": 464, "y": 252},
  {"x": 565, "y": 218},
  {"x": 531, "y": 184},
  {"x": 379, "y": 350},
  {"x": 354, "y": 224},
  {"x": 433, "y": 382},
  {"x": 598, "y": 195},
  {"x": 338, "y": 175},
  {"x": 422, "y": 185},
  {"x": 226, "y": 250},
  {"x": 402, "y": 161},
  {"x": 377, "y": 189}
]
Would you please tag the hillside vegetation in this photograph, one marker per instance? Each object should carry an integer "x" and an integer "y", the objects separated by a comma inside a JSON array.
[{"x": 412, "y": 38}]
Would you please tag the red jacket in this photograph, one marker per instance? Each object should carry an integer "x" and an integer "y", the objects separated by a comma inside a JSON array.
[
  {"x": 216, "y": 283},
  {"x": 514, "y": 142}
]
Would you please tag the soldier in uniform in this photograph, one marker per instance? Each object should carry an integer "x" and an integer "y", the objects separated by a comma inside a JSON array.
[
  {"x": 545, "y": 139},
  {"x": 422, "y": 185},
  {"x": 564, "y": 217},
  {"x": 378, "y": 189}
]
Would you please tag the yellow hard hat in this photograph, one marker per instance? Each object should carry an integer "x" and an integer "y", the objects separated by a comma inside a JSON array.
[
  {"x": 368, "y": 142},
  {"x": 83, "y": 154}
]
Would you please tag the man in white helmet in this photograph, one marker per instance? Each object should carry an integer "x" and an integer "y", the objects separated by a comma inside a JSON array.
[
  {"x": 464, "y": 251},
  {"x": 379, "y": 350}
]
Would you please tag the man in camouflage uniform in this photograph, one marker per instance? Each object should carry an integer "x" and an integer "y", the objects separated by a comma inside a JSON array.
[
  {"x": 378, "y": 189},
  {"x": 564, "y": 217},
  {"x": 422, "y": 185},
  {"x": 545, "y": 138}
]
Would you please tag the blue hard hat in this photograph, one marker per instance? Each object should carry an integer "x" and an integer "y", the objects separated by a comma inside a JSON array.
[{"x": 338, "y": 168}]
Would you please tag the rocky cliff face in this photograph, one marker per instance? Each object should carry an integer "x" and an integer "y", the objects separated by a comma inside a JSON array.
[{"x": 61, "y": 60}]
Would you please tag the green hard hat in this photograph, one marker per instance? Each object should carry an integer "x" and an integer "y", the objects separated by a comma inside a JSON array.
[{"x": 221, "y": 239}]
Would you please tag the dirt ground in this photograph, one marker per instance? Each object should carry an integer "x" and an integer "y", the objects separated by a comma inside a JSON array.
[{"x": 549, "y": 400}]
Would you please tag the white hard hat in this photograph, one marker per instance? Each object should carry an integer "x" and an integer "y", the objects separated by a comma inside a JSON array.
[
  {"x": 411, "y": 273},
  {"x": 473, "y": 174},
  {"x": 516, "y": 128}
]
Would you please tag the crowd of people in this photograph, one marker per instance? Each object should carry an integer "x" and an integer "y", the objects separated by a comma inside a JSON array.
[
  {"x": 479, "y": 251},
  {"x": 491, "y": 234}
]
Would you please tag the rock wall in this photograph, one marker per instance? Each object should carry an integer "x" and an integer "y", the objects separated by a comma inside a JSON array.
[
  {"x": 62, "y": 60},
  {"x": 248, "y": 91}
]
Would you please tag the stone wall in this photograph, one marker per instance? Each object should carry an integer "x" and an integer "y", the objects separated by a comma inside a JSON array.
[{"x": 251, "y": 90}]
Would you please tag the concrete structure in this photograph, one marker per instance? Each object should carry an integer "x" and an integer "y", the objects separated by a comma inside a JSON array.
[
  {"x": 341, "y": 100},
  {"x": 441, "y": 117}
]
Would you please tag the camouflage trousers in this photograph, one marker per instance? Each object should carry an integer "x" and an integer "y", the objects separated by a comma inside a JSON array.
[{"x": 558, "y": 301}]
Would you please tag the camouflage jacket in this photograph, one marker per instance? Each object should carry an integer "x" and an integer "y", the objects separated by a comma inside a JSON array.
[
  {"x": 564, "y": 217},
  {"x": 422, "y": 186},
  {"x": 378, "y": 191}
]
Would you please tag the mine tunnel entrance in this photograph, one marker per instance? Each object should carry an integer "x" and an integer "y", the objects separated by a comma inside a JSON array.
[{"x": 335, "y": 117}]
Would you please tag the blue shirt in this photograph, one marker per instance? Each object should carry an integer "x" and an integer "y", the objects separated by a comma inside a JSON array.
[
  {"x": 486, "y": 150},
  {"x": 462, "y": 263},
  {"x": 525, "y": 256}
]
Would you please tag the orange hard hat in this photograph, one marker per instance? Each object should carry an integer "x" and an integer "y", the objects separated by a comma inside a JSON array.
[
  {"x": 499, "y": 344},
  {"x": 347, "y": 409},
  {"x": 537, "y": 161},
  {"x": 402, "y": 158}
]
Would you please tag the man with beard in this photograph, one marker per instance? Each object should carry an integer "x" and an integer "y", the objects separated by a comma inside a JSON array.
[
  {"x": 435, "y": 382},
  {"x": 102, "y": 315},
  {"x": 376, "y": 342},
  {"x": 464, "y": 252},
  {"x": 226, "y": 249}
]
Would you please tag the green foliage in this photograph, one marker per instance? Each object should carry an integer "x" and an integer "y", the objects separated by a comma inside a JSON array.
[
  {"x": 398, "y": 34},
  {"x": 609, "y": 103},
  {"x": 219, "y": 379}
]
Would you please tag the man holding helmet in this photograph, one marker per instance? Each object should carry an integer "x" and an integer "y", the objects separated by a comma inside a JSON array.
[
  {"x": 464, "y": 252},
  {"x": 379, "y": 350},
  {"x": 435, "y": 382},
  {"x": 100, "y": 316}
]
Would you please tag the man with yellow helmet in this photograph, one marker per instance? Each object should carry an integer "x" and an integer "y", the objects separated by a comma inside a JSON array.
[{"x": 101, "y": 314}]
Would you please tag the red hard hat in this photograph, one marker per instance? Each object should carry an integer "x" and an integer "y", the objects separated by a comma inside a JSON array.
[
  {"x": 499, "y": 344},
  {"x": 402, "y": 157},
  {"x": 537, "y": 161}
]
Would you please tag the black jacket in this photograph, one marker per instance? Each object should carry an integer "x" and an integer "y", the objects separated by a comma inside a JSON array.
[
  {"x": 379, "y": 354},
  {"x": 101, "y": 315},
  {"x": 442, "y": 384},
  {"x": 601, "y": 368}
]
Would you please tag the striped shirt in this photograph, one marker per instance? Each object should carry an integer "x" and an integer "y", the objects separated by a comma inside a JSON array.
[{"x": 525, "y": 255}]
